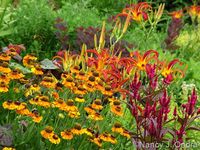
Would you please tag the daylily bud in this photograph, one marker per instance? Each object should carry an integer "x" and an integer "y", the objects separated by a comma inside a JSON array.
[{"x": 175, "y": 112}]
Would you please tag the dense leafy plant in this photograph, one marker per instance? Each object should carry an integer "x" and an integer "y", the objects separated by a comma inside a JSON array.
[
  {"x": 5, "y": 18},
  {"x": 77, "y": 12}
]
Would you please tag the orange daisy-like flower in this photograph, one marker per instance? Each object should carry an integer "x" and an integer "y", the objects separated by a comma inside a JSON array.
[
  {"x": 44, "y": 101},
  {"x": 96, "y": 75},
  {"x": 35, "y": 116},
  {"x": 73, "y": 114},
  {"x": 55, "y": 95},
  {"x": 99, "y": 86},
  {"x": 47, "y": 132},
  {"x": 4, "y": 57},
  {"x": 95, "y": 116},
  {"x": 8, "y": 105},
  {"x": 35, "y": 87},
  {"x": 19, "y": 105},
  {"x": 126, "y": 133},
  {"x": 80, "y": 90},
  {"x": 91, "y": 80},
  {"x": 107, "y": 91},
  {"x": 49, "y": 82},
  {"x": 112, "y": 99},
  {"x": 23, "y": 80},
  {"x": 35, "y": 100},
  {"x": 54, "y": 139},
  {"x": 108, "y": 138},
  {"x": 29, "y": 60},
  {"x": 68, "y": 82},
  {"x": 97, "y": 141},
  {"x": 97, "y": 104},
  {"x": 3, "y": 87},
  {"x": 88, "y": 132},
  {"x": 77, "y": 130},
  {"x": 59, "y": 86},
  {"x": 37, "y": 70},
  {"x": 89, "y": 87},
  {"x": 65, "y": 75},
  {"x": 81, "y": 76},
  {"x": 116, "y": 108},
  {"x": 67, "y": 135},
  {"x": 70, "y": 106},
  {"x": 80, "y": 98},
  {"x": 60, "y": 103},
  {"x": 24, "y": 111},
  {"x": 4, "y": 78},
  {"x": 15, "y": 74},
  {"x": 8, "y": 148},
  {"x": 89, "y": 110},
  {"x": 4, "y": 68},
  {"x": 117, "y": 128}
]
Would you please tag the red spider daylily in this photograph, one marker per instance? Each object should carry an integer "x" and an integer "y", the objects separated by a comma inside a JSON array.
[
  {"x": 176, "y": 14},
  {"x": 142, "y": 60},
  {"x": 168, "y": 72},
  {"x": 116, "y": 80},
  {"x": 100, "y": 60},
  {"x": 125, "y": 63},
  {"x": 137, "y": 11},
  {"x": 194, "y": 10}
]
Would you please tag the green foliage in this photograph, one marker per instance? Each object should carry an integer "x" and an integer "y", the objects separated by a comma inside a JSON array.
[
  {"x": 109, "y": 6},
  {"x": 137, "y": 36},
  {"x": 189, "y": 42},
  {"x": 5, "y": 18},
  {"x": 77, "y": 15},
  {"x": 33, "y": 25}
]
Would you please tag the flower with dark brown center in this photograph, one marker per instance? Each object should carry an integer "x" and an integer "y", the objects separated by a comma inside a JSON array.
[
  {"x": 47, "y": 132},
  {"x": 70, "y": 106},
  {"x": 80, "y": 98},
  {"x": 4, "y": 57},
  {"x": 54, "y": 139},
  {"x": 67, "y": 135},
  {"x": 117, "y": 128},
  {"x": 77, "y": 130},
  {"x": 97, "y": 104},
  {"x": 3, "y": 87},
  {"x": 4, "y": 68}
]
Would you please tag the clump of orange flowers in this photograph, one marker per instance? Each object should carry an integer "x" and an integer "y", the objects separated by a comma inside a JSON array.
[{"x": 83, "y": 93}]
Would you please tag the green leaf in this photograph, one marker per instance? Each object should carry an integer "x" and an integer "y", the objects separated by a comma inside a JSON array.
[
  {"x": 194, "y": 128},
  {"x": 20, "y": 67},
  {"x": 48, "y": 64},
  {"x": 6, "y": 32}
]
